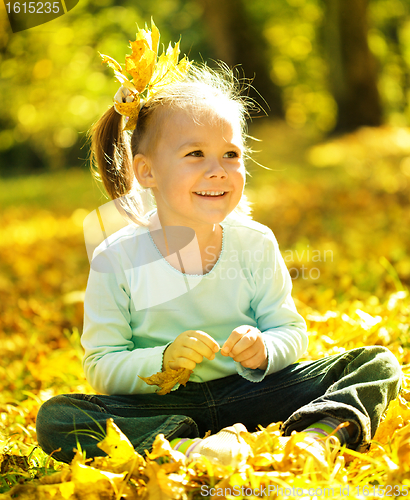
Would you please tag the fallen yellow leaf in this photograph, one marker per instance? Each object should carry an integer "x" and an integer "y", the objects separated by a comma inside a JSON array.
[
  {"x": 167, "y": 379},
  {"x": 117, "y": 445}
]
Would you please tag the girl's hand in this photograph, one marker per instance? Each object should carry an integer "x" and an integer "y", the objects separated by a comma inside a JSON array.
[
  {"x": 245, "y": 345},
  {"x": 189, "y": 349}
]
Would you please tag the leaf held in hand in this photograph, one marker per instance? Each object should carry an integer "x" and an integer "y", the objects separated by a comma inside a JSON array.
[{"x": 166, "y": 380}]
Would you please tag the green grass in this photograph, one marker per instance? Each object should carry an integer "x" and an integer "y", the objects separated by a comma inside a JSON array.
[{"x": 61, "y": 191}]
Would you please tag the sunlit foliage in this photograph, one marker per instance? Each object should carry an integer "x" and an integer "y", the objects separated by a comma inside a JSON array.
[{"x": 294, "y": 29}]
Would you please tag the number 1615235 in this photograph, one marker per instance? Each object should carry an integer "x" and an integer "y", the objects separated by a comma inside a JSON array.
[{"x": 33, "y": 7}]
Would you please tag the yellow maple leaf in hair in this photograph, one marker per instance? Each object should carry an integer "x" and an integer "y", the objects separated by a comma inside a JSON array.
[
  {"x": 112, "y": 63},
  {"x": 151, "y": 37},
  {"x": 140, "y": 64},
  {"x": 165, "y": 62},
  {"x": 154, "y": 37},
  {"x": 130, "y": 109},
  {"x": 168, "y": 70},
  {"x": 183, "y": 66},
  {"x": 149, "y": 72},
  {"x": 118, "y": 71}
]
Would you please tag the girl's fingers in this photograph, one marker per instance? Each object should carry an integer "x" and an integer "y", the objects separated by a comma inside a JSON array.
[
  {"x": 182, "y": 363},
  {"x": 203, "y": 344},
  {"x": 247, "y": 354},
  {"x": 207, "y": 340},
  {"x": 240, "y": 339},
  {"x": 191, "y": 354},
  {"x": 253, "y": 362},
  {"x": 247, "y": 342},
  {"x": 189, "y": 349},
  {"x": 200, "y": 350}
]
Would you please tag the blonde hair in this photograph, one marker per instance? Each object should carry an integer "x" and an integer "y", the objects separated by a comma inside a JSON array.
[{"x": 113, "y": 149}]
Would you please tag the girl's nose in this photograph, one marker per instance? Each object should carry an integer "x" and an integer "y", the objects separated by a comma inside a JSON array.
[{"x": 215, "y": 169}]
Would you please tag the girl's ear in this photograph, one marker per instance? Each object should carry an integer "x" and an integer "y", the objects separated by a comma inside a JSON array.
[{"x": 143, "y": 171}]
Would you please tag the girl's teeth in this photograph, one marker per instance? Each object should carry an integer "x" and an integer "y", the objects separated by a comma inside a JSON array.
[{"x": 207, "y": 193}]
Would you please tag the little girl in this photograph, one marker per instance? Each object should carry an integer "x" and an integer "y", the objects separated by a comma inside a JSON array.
[{"x": 195, "y": 283}]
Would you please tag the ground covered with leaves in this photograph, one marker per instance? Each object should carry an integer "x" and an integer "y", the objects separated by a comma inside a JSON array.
[{"x": 340, "y": 211}]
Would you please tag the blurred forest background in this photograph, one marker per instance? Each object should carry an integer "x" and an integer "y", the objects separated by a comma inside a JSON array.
[
  {"x": 331, "y": 176},
  {"x": 325, "y": 65}
]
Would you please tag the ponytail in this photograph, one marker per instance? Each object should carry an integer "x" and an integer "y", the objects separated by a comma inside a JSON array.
[{"x": 111, "y": 153}]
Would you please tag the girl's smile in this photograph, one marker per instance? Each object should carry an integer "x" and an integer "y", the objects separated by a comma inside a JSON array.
[{"x": 211, "y": 194}]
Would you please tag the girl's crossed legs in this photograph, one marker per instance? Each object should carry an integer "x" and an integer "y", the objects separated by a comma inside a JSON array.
[{"x": 355, "y": 386}]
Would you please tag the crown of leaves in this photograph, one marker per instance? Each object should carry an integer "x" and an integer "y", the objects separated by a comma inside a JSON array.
[{"x": 149, "y": 72}]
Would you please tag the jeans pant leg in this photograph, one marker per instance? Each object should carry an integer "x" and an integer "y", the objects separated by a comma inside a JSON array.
[
  {"x": 358, "y": 386},
  {"x": 355, "y": 386},
  {"x": 66, "y": 420}
]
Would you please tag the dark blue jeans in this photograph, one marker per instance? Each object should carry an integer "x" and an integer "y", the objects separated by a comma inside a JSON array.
[{"x": 355, "y": 386}]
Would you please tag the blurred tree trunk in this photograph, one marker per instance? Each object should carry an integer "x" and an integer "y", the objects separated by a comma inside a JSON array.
[
  {"x": 237, "y": 41},
  {"x": 352, "y": 67}
]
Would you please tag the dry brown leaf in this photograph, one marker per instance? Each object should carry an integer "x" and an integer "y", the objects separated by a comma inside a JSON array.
[{"x": 167, "y": 379}]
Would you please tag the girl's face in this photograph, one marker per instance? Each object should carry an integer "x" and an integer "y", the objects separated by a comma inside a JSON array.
[{"x": 198, "y": 172}]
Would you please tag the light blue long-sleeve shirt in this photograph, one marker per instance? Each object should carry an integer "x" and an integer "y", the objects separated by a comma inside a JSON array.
[{"x": 132, "y": 313}]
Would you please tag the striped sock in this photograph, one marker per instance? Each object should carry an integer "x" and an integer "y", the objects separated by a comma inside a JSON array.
[
  {"x": 185, "y": 445},
  {"x": 323, "y": 428}
]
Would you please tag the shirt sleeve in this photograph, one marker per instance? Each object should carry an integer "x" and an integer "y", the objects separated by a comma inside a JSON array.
[
  {"x": 111, "y": 363},
  {"x": 284, "y": 329}
]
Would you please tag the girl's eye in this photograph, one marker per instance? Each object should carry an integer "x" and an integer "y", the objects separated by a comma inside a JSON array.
[
  {"x": 196, "y": 154},
  {"x": 231, "y": 154}
]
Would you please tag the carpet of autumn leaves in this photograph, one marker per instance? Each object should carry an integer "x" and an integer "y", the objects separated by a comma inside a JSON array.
[{"x": 340, "y": 211}]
